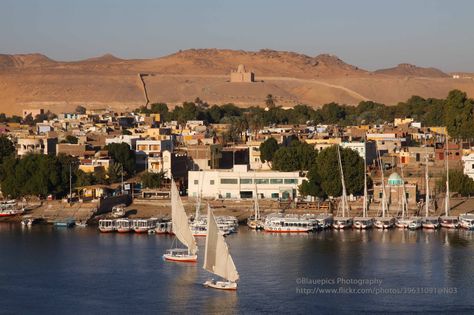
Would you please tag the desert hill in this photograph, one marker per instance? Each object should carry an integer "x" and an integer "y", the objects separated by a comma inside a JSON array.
[{"x": 34, "y": 80}]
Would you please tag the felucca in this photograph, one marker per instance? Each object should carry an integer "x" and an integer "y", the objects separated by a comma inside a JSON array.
[
  {"x": 429, "y": 222},
  {"x": 181, "y": 231},
  {"x": 383, "y": 222},
  {"x": 255, "y": 221},
  {"x": 217, "y": 258},
  {"x": 447, "y": 221},
  {"x": 342, "y": 222},
  {"x": 364, "y": 222}
]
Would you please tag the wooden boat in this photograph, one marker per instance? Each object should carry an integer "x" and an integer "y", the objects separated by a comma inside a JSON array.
[
  {"x": 217, "y": 258},
  {"x": 181, "y": 230}
]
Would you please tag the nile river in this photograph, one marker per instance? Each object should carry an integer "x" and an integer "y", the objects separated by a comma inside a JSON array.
[{"x": 52, "y": 270}]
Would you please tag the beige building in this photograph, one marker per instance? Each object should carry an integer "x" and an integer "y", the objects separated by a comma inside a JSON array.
[
  {"x": 394, "y": 192},
  {"x": 241, "y": 75}
]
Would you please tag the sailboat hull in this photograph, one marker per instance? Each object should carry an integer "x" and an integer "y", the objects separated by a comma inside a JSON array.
[
  {"x": 221, "y": 285},
  {"x": 181, "y": 258}
]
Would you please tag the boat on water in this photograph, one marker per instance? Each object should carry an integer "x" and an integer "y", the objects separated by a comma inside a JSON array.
[
  {"x": 181, "y": 230},
  {"x": 384, "y": 221},
  {"x": 10, "y": 208},
  {"x": 363, "y": 223},
  {"x": 123, "y": 225},
  {"x": 402, "y": 221},
  {"x": 281, "y": 223},
  {"x": 255, "y": 221},
  {"x": 324, "y": 220},
  {"x": 118, "y": 211},
  {"x": 467, "y": 221},
  {"x": 81, "y": 223},
  {"x": 449, "y": 222},
  {"x": 163, "y": 227},
  {"x": 106, "y": 225},
  {"x": 144, "y": 225},
  {"x": 344, "y": 221},
  {"x": 415, "y": 223},
  {"x": 431, "y": 223},
  {"x": 217, "y": 258},
  {"x": 68, "y": 223}
]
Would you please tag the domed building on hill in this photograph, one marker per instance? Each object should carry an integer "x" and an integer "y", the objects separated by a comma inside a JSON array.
[
  {"x": 394, "y": 189},
  {"x": 241, "y": 75}
]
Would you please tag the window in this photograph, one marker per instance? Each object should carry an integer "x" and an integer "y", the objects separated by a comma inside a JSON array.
[
  {"x": 275, "y": 195},
  {"x": 228, "y": 180},
  {"x": 196, "y": 182},
  {"x": 246, "y": 181},
  {"x": 228, "y": 195},
  {"x": 276, "y": 181},
  {"x": 407, "y": 196},
  {"x": 380, "y": 195},
  {"x": 291, "y": 181},
  {"x": 261, "y": 181},
  {"x": 211, "y": 182}
]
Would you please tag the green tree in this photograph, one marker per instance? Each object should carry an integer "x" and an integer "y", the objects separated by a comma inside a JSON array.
[
  {"x": 6, "y": 148},
  {"x": 268, "y": 149},
  {"x": 121, "y": 153},
  {"x": 71, "y": 139},
  {"x": 458, "y": 182},
  {"x": 284, "y": 160},
  {"x": 152, "y": 180},
  {"x": 458, "y": 115},
  {"x": 327, "y": 168}
]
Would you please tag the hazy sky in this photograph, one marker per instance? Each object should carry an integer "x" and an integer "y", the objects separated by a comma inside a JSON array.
[{"x": 367, "y": 33}]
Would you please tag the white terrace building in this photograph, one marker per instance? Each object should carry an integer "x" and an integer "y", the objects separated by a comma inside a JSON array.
[{"x": 239, "y": 183}]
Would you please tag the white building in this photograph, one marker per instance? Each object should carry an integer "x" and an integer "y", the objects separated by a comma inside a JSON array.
[
  {"x": 254, "y": 157},
  {"x": 128, "y": 139},
  {"x": 468, "y": 161},
  {"x": 366, "y": 150},
  {"x": 240, "y": 183}
]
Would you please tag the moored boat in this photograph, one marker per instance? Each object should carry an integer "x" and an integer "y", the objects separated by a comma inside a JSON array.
[
  {"x": 449, "y": 222},
  {"x": 363, "y": 223},
  {"x": 384, "y": 223},
  {"x": 467, "y": 221},
  {"x": 280, "y": 223},
  {"x": 341, "y": 223},
  {"x": 415, "y": 223},
  {"x": 430, "y": 223},
  {"x": 9, "y": 208},
  {"x": 106, "y": 225},
  {"x": 123, "y": 225}
]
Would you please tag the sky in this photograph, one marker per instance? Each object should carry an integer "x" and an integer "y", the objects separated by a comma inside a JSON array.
[{"x": 370, "y": 34}]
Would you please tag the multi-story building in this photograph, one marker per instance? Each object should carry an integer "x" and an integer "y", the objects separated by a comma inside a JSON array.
[
  {"x": 36, "y": 144},
  {"x": 240, "y": 183},
  {"x": 468, "y": 161},
  {"x": 205, "y": 157}
]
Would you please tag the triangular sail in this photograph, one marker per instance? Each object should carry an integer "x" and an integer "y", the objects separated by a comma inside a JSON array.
[
  {"x": 179, "y": 218},
  {"x": 217, "y": 258}
]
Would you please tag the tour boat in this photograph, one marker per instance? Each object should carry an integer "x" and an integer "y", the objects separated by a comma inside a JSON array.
[
  {"x": 106, "y": 225},
  {"x": 430, "y": 223},
  {"x": 280, "y": 223},
  {"x": 181, "y": 230},
  {"x": 217, "y": 258},
  {"x": 324, "y": 221},
  {"x": 144, "y": 225},
  {"x": 199, "y": 228},
  {"x": 123, "y": 225},
  {"x": 118, "y": 211},
  {"x": 415, "y": 223},
  {"x": 449, "y": 222},
  {"x": 467, "y": 221},
  {"x": 363, "y": 223},
  {"x": 343, "y": 221},
  {"x": 163, "y": 227},
  {"x": 10, "y": 208}
]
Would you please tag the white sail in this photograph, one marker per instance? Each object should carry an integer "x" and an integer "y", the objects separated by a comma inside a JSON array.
[
  {"x": 217, "y": 258},
  {"x": 179, "y": 218}
]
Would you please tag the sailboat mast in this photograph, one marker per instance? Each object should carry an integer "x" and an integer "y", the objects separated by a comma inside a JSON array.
[
  {"x": 365, "y": 180},
  {"x": 384, "y": 198},
  {"x": 404, "y": 196},
  {"x": 427, "y": 196},
  {"x": 344, "y": 201},
  {"x": 446, "y": 199}
]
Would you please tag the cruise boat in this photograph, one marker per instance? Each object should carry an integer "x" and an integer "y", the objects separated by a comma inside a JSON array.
[
  {"x": 342, "y": 222},
  {"x": 280, "y": 223},
  {"x": 415, "y": 223},
  {"x": 449, "y": 222},
  {"x": 106, "y": 225},
  {"x": 181, "y": 230},
  {"x": 467, "y": 221},
  {"x": 10, "y": 208},
  {"x": 217, "y": 258},
  {"x": 430, "y": 223},
  {"x": 363, "y": 223},
  {"x": 199, "y": 227},
  {"x": 144, "y": 225},
  {"x": 123, "y": 225}
]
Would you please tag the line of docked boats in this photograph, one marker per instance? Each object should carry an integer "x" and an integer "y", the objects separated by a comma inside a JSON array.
[{"x": 10, "y": 208}]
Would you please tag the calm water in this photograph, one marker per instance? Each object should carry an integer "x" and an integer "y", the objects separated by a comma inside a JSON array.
[{"x": 50, "y": 270}]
